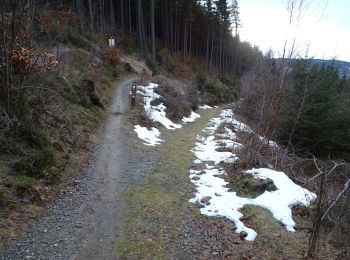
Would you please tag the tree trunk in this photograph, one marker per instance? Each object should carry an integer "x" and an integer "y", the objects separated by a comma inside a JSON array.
[
  {"x": 122, "y": 22},
  {"x": 153, "y": 32}
]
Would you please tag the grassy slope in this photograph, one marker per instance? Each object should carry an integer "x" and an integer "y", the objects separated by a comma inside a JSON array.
[{"x": 63, "y": 121}]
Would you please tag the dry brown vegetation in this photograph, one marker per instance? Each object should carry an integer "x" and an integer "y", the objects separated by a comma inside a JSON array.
[{"x": 326, "y": 222}]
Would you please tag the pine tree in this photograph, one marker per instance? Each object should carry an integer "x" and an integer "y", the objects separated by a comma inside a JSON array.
[{"x": 315, "y": 117}]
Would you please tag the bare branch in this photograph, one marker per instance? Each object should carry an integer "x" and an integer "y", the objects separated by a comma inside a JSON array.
[
  {"x": 340, "y": 194},
  {"x": 7, "y": 116}
]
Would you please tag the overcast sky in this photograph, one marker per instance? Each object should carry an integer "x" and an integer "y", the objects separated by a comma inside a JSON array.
[{"x": 323, "y": 29}]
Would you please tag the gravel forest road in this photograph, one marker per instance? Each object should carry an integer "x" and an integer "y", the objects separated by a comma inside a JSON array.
[{"x": 85, "y": 222}]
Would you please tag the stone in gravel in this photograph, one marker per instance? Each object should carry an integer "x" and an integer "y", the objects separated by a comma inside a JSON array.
[
  {"x": 195, "y": 178},
  {"x": 205, "y": 199}
]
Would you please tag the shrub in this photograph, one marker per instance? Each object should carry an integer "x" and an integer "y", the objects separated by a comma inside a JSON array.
[
  {"x": 152, "y": 65},
  {"x": 127, "y": 67},
  {"x": 193, "y": 97},
  {"x": 212, "y": 89},
  {"x": 110, "y": 71},
  {"x": 201, "y": 80},
  {"x": 23, "y": 183},
  {"x": 175, "y": 100},
  {"x": 112, "y": 55},
  {"x": 167, "y": 61},
  {"x": 130, "y": 47},
  {"x": 39, "y": 164}
]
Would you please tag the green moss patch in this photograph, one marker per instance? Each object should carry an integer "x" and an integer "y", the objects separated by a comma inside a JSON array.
[{"x": 247, "y": 186}]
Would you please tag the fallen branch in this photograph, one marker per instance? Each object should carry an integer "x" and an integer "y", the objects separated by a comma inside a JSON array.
[{"x": 320, "y": 172}]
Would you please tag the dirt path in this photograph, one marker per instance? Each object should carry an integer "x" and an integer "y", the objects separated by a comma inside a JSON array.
[{"x": 85, "y": 223}]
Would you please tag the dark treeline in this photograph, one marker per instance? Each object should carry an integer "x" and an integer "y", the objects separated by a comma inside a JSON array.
[
  {"x": 204, "y": 31},
  {"x": 188, "y": 28},
  {"x": 307, "y": 110},
  {"x": 200, "y": 33}
]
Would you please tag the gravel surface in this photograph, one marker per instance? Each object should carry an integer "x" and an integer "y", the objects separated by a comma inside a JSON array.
[{"x": 85, "y": 222}]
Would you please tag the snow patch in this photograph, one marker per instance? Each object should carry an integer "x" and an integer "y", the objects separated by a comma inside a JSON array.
[
  {"x": 210, "y": 183},
  {"x": 204, "y": 107},
  {"x": 155, "y": 113},
  {"x": 193, "y": 116},
  {"x": 280, "y": 201},
  {"x": 151, "y": 137}
]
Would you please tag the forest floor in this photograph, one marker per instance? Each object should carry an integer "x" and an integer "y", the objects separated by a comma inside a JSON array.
[{"x": 132, "y": 203}]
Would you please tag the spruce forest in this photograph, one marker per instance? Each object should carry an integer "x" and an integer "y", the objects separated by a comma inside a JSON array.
[{"x": 58, "y": 74}]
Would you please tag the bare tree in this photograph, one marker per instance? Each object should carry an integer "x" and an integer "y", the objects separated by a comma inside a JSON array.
[
  {"x": 322, "y": 206},
  {"x": 153, "y": 31}
]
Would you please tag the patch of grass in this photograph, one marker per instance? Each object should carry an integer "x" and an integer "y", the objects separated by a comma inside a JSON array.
[
  {"x": 33, "y": 209},
  {"x": 273, "y": 239},
  {"x": 154, "y": 207},
  {"x": 23, "y": 183},
  {"x": 70, "y": 90}
]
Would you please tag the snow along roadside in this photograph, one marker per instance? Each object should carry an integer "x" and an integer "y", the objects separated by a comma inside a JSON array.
[
  {"x": 157, "y": 114},
  {"x": 215, "y": 197}
]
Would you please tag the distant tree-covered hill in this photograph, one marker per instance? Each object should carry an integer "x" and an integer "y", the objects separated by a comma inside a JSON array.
[{"x": 342, "y": 66}]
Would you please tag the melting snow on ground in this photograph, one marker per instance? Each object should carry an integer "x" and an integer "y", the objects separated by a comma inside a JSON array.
[
  {"x": 204, "y": 107},
  {"x": 151, "y": 137},
  {"x": 157, "y": 114},
  {"x": 212, "y": 191},
  {"x": 193, "y": 116}
]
